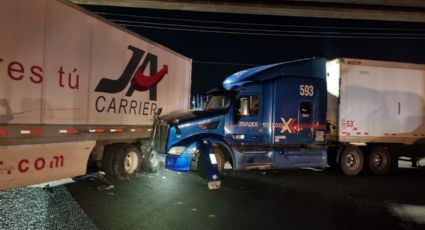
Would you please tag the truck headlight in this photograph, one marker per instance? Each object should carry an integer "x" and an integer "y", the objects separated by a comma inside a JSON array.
[{"x": 177, "y": 150}]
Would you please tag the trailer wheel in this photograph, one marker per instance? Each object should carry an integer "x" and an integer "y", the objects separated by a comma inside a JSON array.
[
  {"x": 128, "y": 160},
  {"x": 352, "y": 160},
  {"x": 380, "y": 160},
  {"x": 150, "y": 161},
  {"x": 108, "y": 159}
]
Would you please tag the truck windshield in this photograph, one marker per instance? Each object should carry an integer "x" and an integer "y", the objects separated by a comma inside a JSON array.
[{"x": 218, "y": 102}]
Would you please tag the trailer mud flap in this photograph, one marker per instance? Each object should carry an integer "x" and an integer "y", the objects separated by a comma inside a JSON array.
[{"x": 22, "y": 165}]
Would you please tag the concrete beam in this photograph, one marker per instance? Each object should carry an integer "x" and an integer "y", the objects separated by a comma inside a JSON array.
[{"x": 390, "y": 10}]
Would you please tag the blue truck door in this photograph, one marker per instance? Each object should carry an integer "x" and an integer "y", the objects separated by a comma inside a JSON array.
[
  {"x": 247, "y": 135},
  {"x": 249, "y": 128}
]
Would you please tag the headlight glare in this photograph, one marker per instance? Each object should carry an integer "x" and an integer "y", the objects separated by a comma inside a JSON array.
[{"x": 177, "y": 150}]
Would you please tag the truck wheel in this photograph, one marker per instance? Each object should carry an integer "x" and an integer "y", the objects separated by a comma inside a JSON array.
[
  {"x": 352, "y": 160},
  {"x": 150, "y": 161},
  {"x": 126, "y": 162},
  {"x": 201, "y": 167},
  {"x": 219, "y": 156},
  {"x": 380, "y": 160},
  {"x": 108, "y": 159}
]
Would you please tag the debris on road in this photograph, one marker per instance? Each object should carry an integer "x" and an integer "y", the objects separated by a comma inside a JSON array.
[{"x": 105, "y": 187}]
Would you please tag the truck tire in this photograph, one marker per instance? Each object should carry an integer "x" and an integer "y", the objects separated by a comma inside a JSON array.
[
  {"x": 150, "y": 161},
  {"x": 333, "y": 157},
  {"x": 352, "y": 160},
  {"x": 108, "y": 159},
  {"x": 121, "y": 161},
  {"x": 219, "y": 156},
  {"x": 201, "y": 167},
  {"x": 380, "y": 160}
]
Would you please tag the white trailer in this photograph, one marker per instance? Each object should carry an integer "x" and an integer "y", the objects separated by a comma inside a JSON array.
[
  {"x": 379, "y": 108},
  {"x": 76, "y": 89}
]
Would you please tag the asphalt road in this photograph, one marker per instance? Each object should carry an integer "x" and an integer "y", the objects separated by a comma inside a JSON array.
[{"x": 290, "y": 199}]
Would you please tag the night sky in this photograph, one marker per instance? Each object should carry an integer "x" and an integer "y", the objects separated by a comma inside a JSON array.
[{"x": 222, "y": 44}]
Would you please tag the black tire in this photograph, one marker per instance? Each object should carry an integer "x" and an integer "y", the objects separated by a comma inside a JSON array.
[
  {"x": 150, "y": 161},
  {"x": 219, "y": 156},
  {"x": 108, "y": 160},
  {"x": 352, "y": 160},
  {"x": 201, "y": 166},
  {"x": 332, "y": 157},
  {"x": 380, "y": 160},
  {"x": 127, "y": 162}
]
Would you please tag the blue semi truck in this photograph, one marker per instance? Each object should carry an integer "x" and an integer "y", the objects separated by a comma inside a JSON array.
[{"x": 348, "y": 113}]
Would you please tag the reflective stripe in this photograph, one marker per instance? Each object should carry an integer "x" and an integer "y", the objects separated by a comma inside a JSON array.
[
  {"x": 68, "y": 131},
  {"x": 136, "y": 130},
  {"x": 118, "y": 130},
  {"x": 96, "y": 130},
  {"x": 32, "y": 132}
]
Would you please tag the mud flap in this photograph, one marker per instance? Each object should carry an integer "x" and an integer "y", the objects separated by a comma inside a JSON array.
[{"x": 213, "y": 173}]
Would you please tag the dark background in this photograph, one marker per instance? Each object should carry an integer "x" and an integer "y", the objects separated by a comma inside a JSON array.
[{"x": 222, "y": 44}]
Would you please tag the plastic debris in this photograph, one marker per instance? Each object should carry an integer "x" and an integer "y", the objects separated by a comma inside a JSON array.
[
  {"x": 105, "y": 187},
  {"x": 194, "y": 209},
  {"x": 211, "y": 216},
  {"x": 214, "y": 184},
  {"x": 164, "y": 177}
]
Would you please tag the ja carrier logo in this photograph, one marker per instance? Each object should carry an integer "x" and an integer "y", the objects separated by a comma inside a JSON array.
[{"x": 133, "y": 76}]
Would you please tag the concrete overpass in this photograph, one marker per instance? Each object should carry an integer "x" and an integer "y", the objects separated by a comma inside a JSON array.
[{"x": 389, "y": 10}]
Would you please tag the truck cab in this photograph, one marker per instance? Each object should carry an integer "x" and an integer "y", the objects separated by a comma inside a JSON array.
[{"x": 267, "y": 117}]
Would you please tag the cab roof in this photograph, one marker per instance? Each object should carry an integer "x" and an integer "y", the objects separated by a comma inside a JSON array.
[{"x": 309, "y": 67}]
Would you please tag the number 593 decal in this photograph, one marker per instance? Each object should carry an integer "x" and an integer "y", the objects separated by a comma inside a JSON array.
[{"x": 306, "y": 90}]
